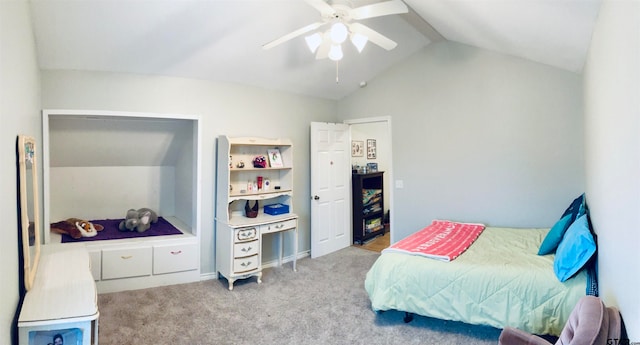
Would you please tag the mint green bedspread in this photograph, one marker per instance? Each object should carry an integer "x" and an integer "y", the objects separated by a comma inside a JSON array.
[{"x": 499, "y": 281}]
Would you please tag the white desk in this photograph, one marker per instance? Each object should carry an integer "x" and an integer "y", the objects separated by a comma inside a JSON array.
[{"x": 63, "y": 299}]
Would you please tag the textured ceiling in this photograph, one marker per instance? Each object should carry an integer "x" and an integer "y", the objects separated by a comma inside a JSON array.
[{"x": 221, "y": 40}]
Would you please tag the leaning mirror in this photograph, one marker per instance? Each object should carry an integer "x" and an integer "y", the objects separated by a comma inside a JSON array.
[{"x": 28, "y": 202}]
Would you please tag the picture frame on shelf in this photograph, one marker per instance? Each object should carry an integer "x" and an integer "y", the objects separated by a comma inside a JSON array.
[
  {"x": 372, "y": 167},
  {"x": 357, "y": 148},
  {"x": 371, "y": 149},
  {"x": 275, "y": 158}
]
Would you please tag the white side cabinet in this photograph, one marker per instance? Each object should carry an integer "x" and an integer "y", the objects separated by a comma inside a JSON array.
[
  {"x": 63, "y": 299},
  {"x": 238, "y": 237}
]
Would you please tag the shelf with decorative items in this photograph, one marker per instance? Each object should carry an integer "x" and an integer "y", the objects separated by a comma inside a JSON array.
[
  {"x": 254, "y": 195},
  {"x": 368, "y": 206}
]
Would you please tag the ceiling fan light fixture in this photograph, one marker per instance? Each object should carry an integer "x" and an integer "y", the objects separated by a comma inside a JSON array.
[
  {"x": 359, "y": 41},
  {"x": 339, "y": 33},
  {"x": 314, "y": 41},
  {"x": 335, "y": 53}
]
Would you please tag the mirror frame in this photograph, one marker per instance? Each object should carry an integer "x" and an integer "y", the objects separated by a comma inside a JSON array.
[{"x": 27, "y": 152}]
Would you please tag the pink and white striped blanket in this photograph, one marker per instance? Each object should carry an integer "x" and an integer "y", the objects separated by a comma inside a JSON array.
[{"x": 442, "y": 240}]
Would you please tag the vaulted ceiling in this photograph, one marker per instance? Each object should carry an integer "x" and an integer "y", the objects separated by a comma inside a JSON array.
[{"x": 221, "y": 40}]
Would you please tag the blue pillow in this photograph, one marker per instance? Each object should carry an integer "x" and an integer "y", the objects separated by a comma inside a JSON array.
[
  {"x": 554, "y": 236},
  {"x": 575, "y": 249},
  {"x": 576, "y": 206},
  {"x": 582, "y": 209}
]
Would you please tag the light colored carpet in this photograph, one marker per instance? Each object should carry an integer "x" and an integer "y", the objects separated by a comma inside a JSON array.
[{"x": 323, "y": 303}]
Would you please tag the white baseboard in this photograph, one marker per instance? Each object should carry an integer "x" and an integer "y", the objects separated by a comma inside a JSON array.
[
  {"x": 208, "y": 276},
  {"x": 274, "y": 263}
]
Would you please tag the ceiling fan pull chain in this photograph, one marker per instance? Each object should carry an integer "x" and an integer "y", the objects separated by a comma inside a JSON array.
[{"x": 337, "y": 76}]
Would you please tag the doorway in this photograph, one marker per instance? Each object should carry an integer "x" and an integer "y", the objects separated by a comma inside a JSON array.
[{"x": 376, "y": 131}]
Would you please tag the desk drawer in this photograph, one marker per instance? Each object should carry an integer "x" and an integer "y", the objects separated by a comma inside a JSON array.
[
  {"x": 278, "y": 226},
  {"x": 245, "y": 234},
  {"x": 123, "y": 263},
  {"x": 247, "y": 264},
  {"x": 244, "y": 249}
]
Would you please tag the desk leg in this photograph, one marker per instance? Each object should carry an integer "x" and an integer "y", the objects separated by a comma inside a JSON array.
[
  {"x": 281, "y": 237},
  {"x": 295, "y": 248}
]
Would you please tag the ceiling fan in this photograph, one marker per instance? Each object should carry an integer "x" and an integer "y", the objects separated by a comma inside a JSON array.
[{"x": 343, "y": 20}]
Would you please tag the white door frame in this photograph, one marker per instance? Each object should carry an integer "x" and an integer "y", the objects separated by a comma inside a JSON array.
[{"x": 389, "y": 171}]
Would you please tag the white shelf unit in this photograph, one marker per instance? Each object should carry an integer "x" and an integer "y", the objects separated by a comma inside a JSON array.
[
  {"x": 239, "y": 238},
  {"x": 98, "y": 164}
]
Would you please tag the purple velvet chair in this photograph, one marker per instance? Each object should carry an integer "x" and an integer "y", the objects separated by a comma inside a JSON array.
[{"x": 590, "y": 323}]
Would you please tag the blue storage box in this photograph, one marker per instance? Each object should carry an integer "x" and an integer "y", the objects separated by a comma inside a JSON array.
[{"x": 275, "y": 209}]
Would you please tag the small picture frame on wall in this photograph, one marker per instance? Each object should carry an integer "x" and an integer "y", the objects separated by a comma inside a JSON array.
[
  {"x": 357, "y": 148},
  {"x": 371, "y": 149}
]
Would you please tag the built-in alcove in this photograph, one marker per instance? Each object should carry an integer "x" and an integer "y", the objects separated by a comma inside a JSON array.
[{"x": 99, "y": 164}]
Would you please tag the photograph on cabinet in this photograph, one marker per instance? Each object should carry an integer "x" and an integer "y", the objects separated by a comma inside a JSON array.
[
  {"x": 70, "y": 336},
  {"x": 275, "y": 159}
]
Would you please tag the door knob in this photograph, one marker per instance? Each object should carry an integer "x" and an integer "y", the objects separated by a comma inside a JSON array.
[{"x": 316, "y": 197}]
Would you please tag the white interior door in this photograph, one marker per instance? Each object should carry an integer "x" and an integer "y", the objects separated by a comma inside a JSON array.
[{"x": 330, "y": 188}]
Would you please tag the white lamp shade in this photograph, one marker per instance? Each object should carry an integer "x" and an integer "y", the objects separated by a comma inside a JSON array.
[
  {"x": 339, "y": 33},
  {"x": 314, "y": 41},
  {"x": 359, "y": 41},
  {"x": 335, "y": 53}
]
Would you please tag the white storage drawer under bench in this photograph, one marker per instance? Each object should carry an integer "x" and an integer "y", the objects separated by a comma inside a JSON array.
[
  {"x": 157, "y": 261},
  {"x": 126, "y": 262},
  {"x": 170, "y": 258}
]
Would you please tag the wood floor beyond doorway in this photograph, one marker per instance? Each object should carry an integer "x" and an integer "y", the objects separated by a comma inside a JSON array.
[{"x": 376, "y": 244}]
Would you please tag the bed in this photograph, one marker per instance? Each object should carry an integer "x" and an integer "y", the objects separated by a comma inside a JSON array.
[{"x": 499, "y": 280}]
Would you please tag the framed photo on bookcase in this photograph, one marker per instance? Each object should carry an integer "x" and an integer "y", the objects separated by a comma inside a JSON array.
[{"x": 275, "y": 159}]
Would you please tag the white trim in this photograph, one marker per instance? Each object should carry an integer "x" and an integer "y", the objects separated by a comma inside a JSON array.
[
  {"x": 369, "y": 120},
  {"x": 109, "y": 113},
  {"x": 274, "y": 263}
]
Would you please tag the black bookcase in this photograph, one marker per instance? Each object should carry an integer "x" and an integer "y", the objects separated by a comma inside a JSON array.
[{"x": 368, "y": 206}]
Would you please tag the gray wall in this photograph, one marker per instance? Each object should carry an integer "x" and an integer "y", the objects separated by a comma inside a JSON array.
[
  {"x": 225, "y": 109},
  {"x": 612, "y": 125},
  {"x": 478, "y": 136},
  {"x": 19, "y": 114}
]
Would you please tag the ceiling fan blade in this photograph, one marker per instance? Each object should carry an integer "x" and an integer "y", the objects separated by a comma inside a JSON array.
[
  {"x": 380, "y": 9},
  {"x": 373, "y": 36},
  {"x": 323, "y": 49},
  {"x": 320, "y": 5},
  {"x": 293, "y": 34}
]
